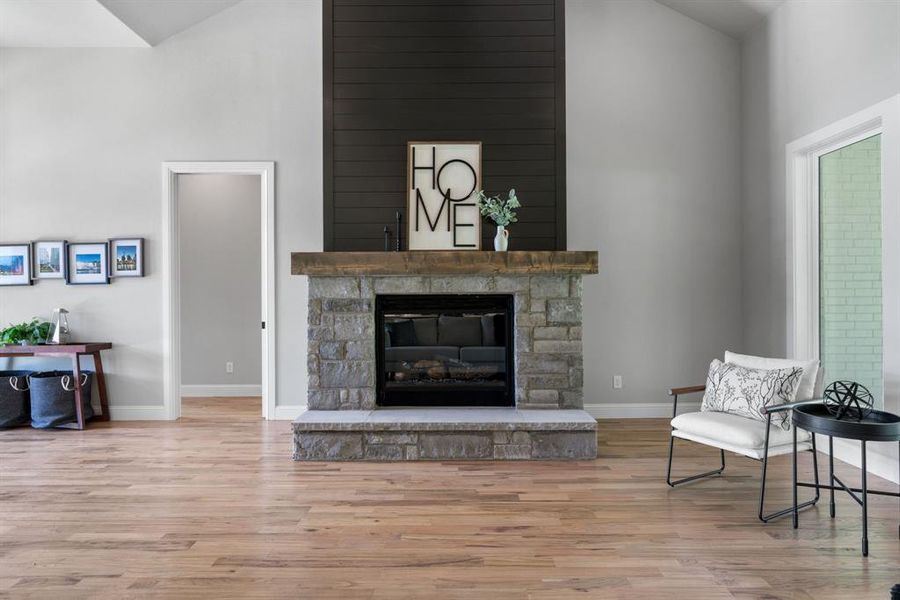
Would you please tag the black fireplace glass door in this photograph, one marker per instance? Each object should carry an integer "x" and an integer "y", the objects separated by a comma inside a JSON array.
[{"x": 444, "y": 350}]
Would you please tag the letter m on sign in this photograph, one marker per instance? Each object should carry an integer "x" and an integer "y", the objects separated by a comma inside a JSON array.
[{"x": 421, "y": 208}]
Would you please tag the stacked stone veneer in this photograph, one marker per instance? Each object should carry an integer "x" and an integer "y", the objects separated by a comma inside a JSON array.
[
  {"x": 547, "y": 333},
  {"x": 446, "y": 441}
]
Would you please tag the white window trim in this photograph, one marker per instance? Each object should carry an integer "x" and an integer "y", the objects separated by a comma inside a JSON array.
[
  {"x": 172, "y": 277},
  {"x": 803, "y": 253},
  {"x": 803, "y": 248},
  {"x": 802, "y": 195}
]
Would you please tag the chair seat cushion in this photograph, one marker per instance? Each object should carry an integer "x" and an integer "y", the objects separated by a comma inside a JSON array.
[{"x": 734, "y": 431}]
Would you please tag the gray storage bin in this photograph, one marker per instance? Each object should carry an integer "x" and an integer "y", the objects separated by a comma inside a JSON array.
[
  {"x": 53, "y": 398},
  {"x": 14, "y": 409}
]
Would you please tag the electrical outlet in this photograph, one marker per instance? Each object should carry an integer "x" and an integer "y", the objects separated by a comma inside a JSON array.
[
  {"x": 617, "y": 382},
  {"x": 229, "y": 367}
]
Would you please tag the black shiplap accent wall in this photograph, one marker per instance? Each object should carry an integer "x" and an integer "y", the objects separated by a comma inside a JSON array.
[{"x": 437, "y": 70}]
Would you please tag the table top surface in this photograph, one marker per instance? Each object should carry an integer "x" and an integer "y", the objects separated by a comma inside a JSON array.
[
  {"x": 877, "y": 426},
  {"x": 71, "y": 348}
]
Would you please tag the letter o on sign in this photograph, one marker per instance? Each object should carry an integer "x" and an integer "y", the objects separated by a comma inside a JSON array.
[{"x": 446, "y": 193}]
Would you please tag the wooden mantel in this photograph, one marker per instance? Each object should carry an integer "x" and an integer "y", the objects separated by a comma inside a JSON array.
[{"x": 440, "y": 262}]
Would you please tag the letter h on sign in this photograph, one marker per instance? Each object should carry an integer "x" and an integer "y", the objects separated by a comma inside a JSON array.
[{"x": 443, "y": 176}]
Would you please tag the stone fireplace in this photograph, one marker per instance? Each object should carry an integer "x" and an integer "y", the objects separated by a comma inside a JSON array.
[{"x": 436, "y": 355}]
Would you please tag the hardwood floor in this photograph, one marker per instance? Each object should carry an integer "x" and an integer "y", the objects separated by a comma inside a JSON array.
[{"x": 212, "y": 507}]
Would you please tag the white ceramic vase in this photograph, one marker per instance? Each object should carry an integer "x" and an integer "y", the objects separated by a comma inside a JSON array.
[{"x": 501, "y": 240}]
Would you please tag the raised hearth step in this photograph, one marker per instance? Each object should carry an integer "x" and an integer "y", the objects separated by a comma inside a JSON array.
[
  {"x": 445, "y": 434},
  {"x": 446, "y": 419}
]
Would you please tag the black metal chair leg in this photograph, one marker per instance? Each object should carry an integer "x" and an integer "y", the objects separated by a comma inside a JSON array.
[
  {"x": 692, "y": 477},
  {"x": 765, "y": 518}
]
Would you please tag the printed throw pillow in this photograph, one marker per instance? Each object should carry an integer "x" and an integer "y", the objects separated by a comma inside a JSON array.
[{"x": 742, "y": 391}]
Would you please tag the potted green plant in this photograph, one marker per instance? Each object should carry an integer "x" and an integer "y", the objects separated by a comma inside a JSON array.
[
  {"x": 501, "y": 212},
  {"x": 32, "y": 332}
]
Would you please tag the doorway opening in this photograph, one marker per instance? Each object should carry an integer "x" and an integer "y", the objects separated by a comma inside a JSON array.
[{"x": 219, "y": 301}]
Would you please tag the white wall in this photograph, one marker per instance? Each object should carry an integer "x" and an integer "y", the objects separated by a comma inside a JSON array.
[
  {"x": 221, "y": 301},
  {"x": 653, "y": 101},
  {"x": 810, "y": 64},
  {"x": 82, "y": 136}
]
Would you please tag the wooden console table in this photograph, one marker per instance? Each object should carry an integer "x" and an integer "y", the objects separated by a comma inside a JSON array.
[{"x": 75, "y": 352}]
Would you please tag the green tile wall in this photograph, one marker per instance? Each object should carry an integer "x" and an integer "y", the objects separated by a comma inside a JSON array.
[{"x": 850, "y": 264}]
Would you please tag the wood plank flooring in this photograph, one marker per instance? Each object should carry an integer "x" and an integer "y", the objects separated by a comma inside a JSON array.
[{"x": 212, "y": 506}]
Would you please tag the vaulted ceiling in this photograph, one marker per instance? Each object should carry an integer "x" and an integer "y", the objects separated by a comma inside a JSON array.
[
  {"x": 100, "y": 23},
  {"x": 734, "y": 18},
  {"x": 144, "y": 23},
  {"x": 156, "y": 20}
]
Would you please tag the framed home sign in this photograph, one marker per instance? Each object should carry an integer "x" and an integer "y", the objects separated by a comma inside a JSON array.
[{"x": 441, "y": 210}]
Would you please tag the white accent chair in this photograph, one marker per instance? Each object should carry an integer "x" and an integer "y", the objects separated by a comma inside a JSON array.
[{"x": 748, "y": 437}]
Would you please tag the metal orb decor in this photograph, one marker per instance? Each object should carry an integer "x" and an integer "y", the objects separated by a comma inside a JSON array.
[{"x": 848, "y": 400}]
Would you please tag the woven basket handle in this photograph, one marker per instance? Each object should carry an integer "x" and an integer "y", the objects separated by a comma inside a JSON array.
[
  {"x": 14, "y": 383},
  {"x": 65, "y": 381}
]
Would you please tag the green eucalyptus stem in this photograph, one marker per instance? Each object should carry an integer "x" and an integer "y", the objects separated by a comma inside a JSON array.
[{"x": 502, "y": 212}]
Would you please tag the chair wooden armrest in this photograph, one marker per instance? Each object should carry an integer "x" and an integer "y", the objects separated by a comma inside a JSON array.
[
  {"x": 692, "y": 389},
  {"x": 675, "y": 392}
]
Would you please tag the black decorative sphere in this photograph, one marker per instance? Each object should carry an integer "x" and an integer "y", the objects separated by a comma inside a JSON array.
[{"x": 848, "y": 400}]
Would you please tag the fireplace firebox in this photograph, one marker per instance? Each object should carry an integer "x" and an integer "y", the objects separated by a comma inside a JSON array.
[{"x": 444, "y": 350}]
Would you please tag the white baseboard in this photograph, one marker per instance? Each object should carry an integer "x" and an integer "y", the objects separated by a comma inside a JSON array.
[
  {"x": 638, "y": 410},
  {"x": 289, "y": 413},
  {"x": 879, "y": 460},
  {"x": 223, "y": 391},
  {"x": 137, "y": 413}
]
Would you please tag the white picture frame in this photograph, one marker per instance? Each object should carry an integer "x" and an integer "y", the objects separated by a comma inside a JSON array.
[
  {"x": 442, "y": 178},
  {"x": 126, "y": 257},
  {"x": 87, "y": 263},
  {"x": 49, "y": 259},
  {"x": 15, "y": 264}
]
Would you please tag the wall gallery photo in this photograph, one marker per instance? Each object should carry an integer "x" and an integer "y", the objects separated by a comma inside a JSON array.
[
  {"x": 88, "y": 263},
  {"x": 127, "y": 257},
  {"x": 49, "y": 259},
  {"x": 15, "y": 264}
]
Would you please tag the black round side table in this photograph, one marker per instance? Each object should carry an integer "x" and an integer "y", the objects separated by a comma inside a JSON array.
[{"x": 878, "y": 426}]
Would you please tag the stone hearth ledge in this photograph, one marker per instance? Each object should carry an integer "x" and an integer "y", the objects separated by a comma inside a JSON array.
[
  {"x": 445, "y": 434},
  {"x": 470, "y": 418}
]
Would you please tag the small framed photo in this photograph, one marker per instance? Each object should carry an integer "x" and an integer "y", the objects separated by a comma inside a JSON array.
[
  {"x": 15, "y": 264},
  {"x": 49, "y": 258},
  {"x": 127, "y": 255},
  {"x": 87, "y": 263}
]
